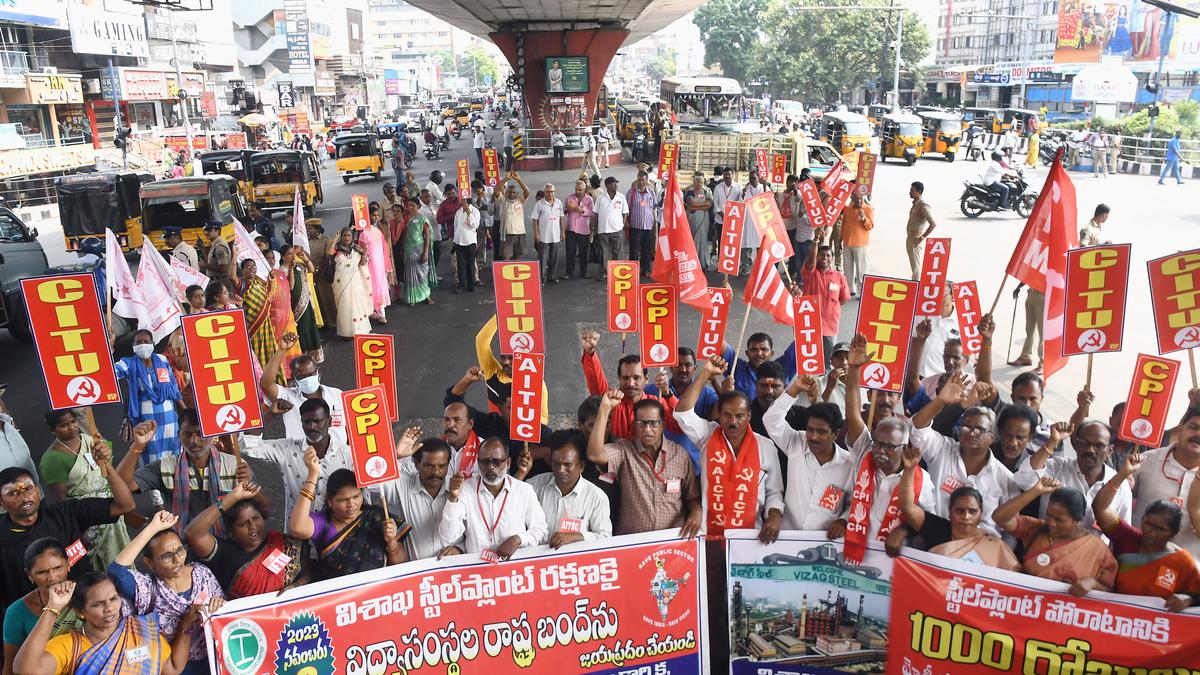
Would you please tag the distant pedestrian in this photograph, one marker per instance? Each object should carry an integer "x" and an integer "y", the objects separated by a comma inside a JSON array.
[
  {"x": 509, "y": 139},
  {"x": 858, "y": 219},
  {"x": 603, "y": 138},
  {"x": 590, "y": 165},
  {"x": 918, "y": 216},
  {"x": 612, "y": 214},
  {"x": 1099, "y": 144},
  {"x": 558, "y": 144},
  {"x": 1171, "y": 160}
]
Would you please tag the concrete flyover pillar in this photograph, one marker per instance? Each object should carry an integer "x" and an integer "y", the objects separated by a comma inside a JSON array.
[{"x": 537, "y": 51}]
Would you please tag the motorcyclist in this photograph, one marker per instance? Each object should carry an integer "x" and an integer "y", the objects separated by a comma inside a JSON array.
[
  {"x": 993, "y": 177},
  {"x": 973, "y": 132},
  {"x": 443, "y": 136}
]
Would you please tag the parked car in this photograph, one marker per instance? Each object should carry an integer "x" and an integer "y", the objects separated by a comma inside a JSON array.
[{"x": 21, "y": 257}]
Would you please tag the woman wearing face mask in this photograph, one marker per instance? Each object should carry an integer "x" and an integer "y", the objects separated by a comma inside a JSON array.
[
  {"x": 172, "y": 587},
  {"x": 348, "y": 535},
  {"x": 296, "y": 269},
  {"x": 152, "y": 395},
  {"x": 251, "y": 560},
  {"x": 45, "y": 565},
  {"x": 69, "y": 469},
  {"x": 351, "y": 286},
  {"x": 107, "y": 641}
]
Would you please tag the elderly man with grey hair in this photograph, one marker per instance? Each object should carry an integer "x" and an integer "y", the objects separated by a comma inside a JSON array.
[
  {"x": 549, "y": 229},
  {"x": 968, "y": 460}
]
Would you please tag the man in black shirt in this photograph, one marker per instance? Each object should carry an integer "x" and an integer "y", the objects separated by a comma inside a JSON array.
[{"x": 27, "y": 519}]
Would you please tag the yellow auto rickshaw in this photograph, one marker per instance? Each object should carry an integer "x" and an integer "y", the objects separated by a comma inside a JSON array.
[
  {"x": 230, "y": 163},
  {"x": 629, "y": 118},
  {"x": 876, "y": 112},
  {"x": 979, "y": 117},
  {"x": 846, "y": 131},
  {"x": 190, "y": 203},
  {"x": 276, "y": 174},
  {"x": 448, "y": 109},
  {"x": 1016, "y": 119},
  {"x": 90, "y": 203},
  {"x": 462, "y": 115},
  {"x": 900, "y": 137},
  {"x": 476, "y": 103},
  {"x": 943, "y": 132},
  {"x": 358, "y": 155}
]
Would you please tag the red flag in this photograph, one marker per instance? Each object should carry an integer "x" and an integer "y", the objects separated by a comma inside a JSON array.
[
  {"x": 1040, "y": 259},
  {"x": 675, "y": 260},
  {"x": 766, "y": 291}
]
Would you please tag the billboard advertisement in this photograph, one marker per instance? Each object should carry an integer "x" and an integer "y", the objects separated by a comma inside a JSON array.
[
  {"x": 567, "y": 75},
  {"x": 1136, "y": 32}
]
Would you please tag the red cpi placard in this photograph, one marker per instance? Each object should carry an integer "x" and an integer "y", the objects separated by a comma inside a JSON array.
[
  {"x": 463, "y": 180},
  {"x": 369, "y": 433},
  {"x": 222, "y": 367},
  {"x": 966, "y": 307},
  {"x": 622, "y": 296},
  {"x": 72, "y": 343},
  {"x": 778, "y": 169},
  {"x": 659, "y": 325},
  {"x": 933, "y": 277},
  {"x": 763, "y": 210},
  {"x": 1097, "y": 282},
  {"x": 1175, "y": 296},
  {"x": 362, "y": 215},
  {"x": 811, "y": 198},
  {"x": 1145, "y": 418},
  {"x": 806, "y": 321},
  {"x": 519, "y": 307},
  {"x": 885, "y": 317},
  {"x": 762, "y": 163},
  {"x": 729, "y": 253},
  {"x": 525, "y": 418},
  {"x": 375, "y": 364},
  {"x": 491, "y": 167},
  {"x": 668, "y": 157},
  {"x": 714, "y": 323},
  {"x": 866, "y": 172}
]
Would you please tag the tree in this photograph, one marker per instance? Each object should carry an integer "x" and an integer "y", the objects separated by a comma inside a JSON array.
[
  {"x": 476, "y": 65},
  {"x": 662, "y": 65},
  {"x": 821, "y": 54},
  {"x": 729, "y": 30}
]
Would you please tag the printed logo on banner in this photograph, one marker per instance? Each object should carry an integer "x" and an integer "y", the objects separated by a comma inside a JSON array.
[
  {"x": 362, "y": 215},
  {"x": 491, "y": 167},
  {"x": 668, "y": 157},
  {"x": 885, "y": 317},
  {"x": 518, "y": 307},
  {"x": 375, "y": 363},
  {"x": 933, "y": 277},
  {"x": 622, "y": 296},
  {"x": 1094, "y": 320},
  {"x": 218, "y": 350},
  {"x": 668, "y": 580},
  {"x": 729, "y": 252},
  {"x": 1173, "y": 283},
  {"x": 464, "y": 179},
  {"x": 370, "y": 435},
  {"x": 659, "y": 325},
  {"x": 1149, "y": 399},
  {"x": 244, "y": 647},
  {"x": 304, "y": 647},
  {"x": 714, "y": 323}
]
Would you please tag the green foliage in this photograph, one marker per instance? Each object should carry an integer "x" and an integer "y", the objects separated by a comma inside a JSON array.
[
  {"x": 662, "y": 65},
  {"x": 475, "y": 64},
  {"x": 729, "y": 30},
  {"x": 821, "y": 54},
  {"x": 1184, "y": 116}
]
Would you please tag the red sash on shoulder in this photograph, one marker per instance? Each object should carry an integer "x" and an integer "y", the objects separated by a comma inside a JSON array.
[
  {"x": 470, "y": 453},
  {"x": 859, "y": 522},
  {"x": 732, "y": 483}
]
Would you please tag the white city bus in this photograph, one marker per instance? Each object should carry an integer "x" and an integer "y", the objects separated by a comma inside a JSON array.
[{"x": 713, "y": 101}]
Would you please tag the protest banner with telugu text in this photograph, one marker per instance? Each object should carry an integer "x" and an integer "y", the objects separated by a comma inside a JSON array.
[
  {"x": 519, "y": 307},
  {"x": 597, "y": 609},
  {"x": 67, "y": 323},
  {"x": 369, "y": 434},
  {"x": 375, "y": 363},
  {"x": 222, "y": 368}
]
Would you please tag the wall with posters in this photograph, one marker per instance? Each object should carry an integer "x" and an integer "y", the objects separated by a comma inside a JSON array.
[{"x": 1130, "y": 29}]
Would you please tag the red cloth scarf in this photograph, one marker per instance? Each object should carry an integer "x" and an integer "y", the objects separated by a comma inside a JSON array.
[
  {"x": 859, "y": 522},
  {"x": 732, "y": 483},
  {"x": 470, "y": 453}
]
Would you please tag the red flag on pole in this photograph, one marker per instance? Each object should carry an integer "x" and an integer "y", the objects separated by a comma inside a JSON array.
[
  {"x": 765, "y": 289},
  {"x": 675, "y": 260},
  {"x": 1040, "y": 258}
]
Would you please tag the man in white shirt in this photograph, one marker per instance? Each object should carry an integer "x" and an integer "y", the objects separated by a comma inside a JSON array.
[
  {"x": 725, "y": 190},
  {"x": 491, "y": 513},
  {"x": 603, "y": 138},
  {"x": 549, "y": 229},
  {"x": 306, "y": 385},
  {"x": 1170, "y": 473},
  {"x": 574, "y": 506},
  {"x": 993, "y": 173},
  {"x": 288, "y": 453},
  {"x": 510, "y": 209},
  {"x": 750, "y": 236},
  {"x": 419, "y": 497},
  {"x": 732, "y": 430},
  {"x": 558, "y": 144},
  {"x": 941, "y": 328},
  {"x": 968, "y": 461},
  {"x": 590, "y": 165},
  {"x": 1088, "y": 472},
  {"x": 435, "y": 192},
  {"x": 818, "y": 471},
  {"x": 466, "y": 239},
  {"x": 477, "y": 141},
  {"x": 612, "y": 215}
]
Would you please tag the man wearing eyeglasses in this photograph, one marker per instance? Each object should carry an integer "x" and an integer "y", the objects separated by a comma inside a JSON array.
[
  {"x": 659, "y": 487},
  {"x": 26, "y": 519},
  {"x": 491, "y": 513}
]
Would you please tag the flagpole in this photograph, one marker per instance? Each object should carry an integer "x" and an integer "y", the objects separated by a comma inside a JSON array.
[
  {"x": 1192, "y": 363},
  {"x": 623, "y": 336},
  {"x": 873, "y": 395},
  {"x": 741, "y": 336},
  {"x": 1087, "y": 383},
  {"x": 1003, "y": 280}
]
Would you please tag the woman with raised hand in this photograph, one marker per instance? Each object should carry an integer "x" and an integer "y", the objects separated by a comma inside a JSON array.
[
  {"x": 249, "y": 559},
  {"x": 46, "y": 565}
]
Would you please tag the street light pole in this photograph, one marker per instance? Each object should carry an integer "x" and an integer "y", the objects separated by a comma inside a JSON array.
[
  {"x": 187, "y": 123},
  {"x": 896, "y": 75}
]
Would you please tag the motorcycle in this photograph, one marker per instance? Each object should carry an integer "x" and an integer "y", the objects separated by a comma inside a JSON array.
[
  {"x": 432, "y": 152},
  {"x": 978, "y": 199},
  {"x": 974, "y": 149},
  {"x": 639, "y": 148},
  {"x": 1048, "y": 149}
]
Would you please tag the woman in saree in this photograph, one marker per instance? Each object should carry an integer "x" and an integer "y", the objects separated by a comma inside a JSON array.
[
  {"x": 46, "y": 566},
  {"x": 217, "y": 297},
  {"x": 1056, "y": 547},
  {"x": 1143, "y": 552},
  {"x": 351, "y": 288},
  {"x": 249, "y": 559},
  {"x": 108, "y": 642},
  {"x": 69, "y": 469},
  {"x": 282, "y": 319},
  {"x": 172, "y": 587},
  {"x": 416, "y": 241},
  {"x": 152, "y": 396},
  {"x": 374, "y": 240},
  {"x": 256, "y": 302},
  {"x": 349, "y": 536},
  {"x": 295, "y": 267},
  {"x": 959, "y": 537}
]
